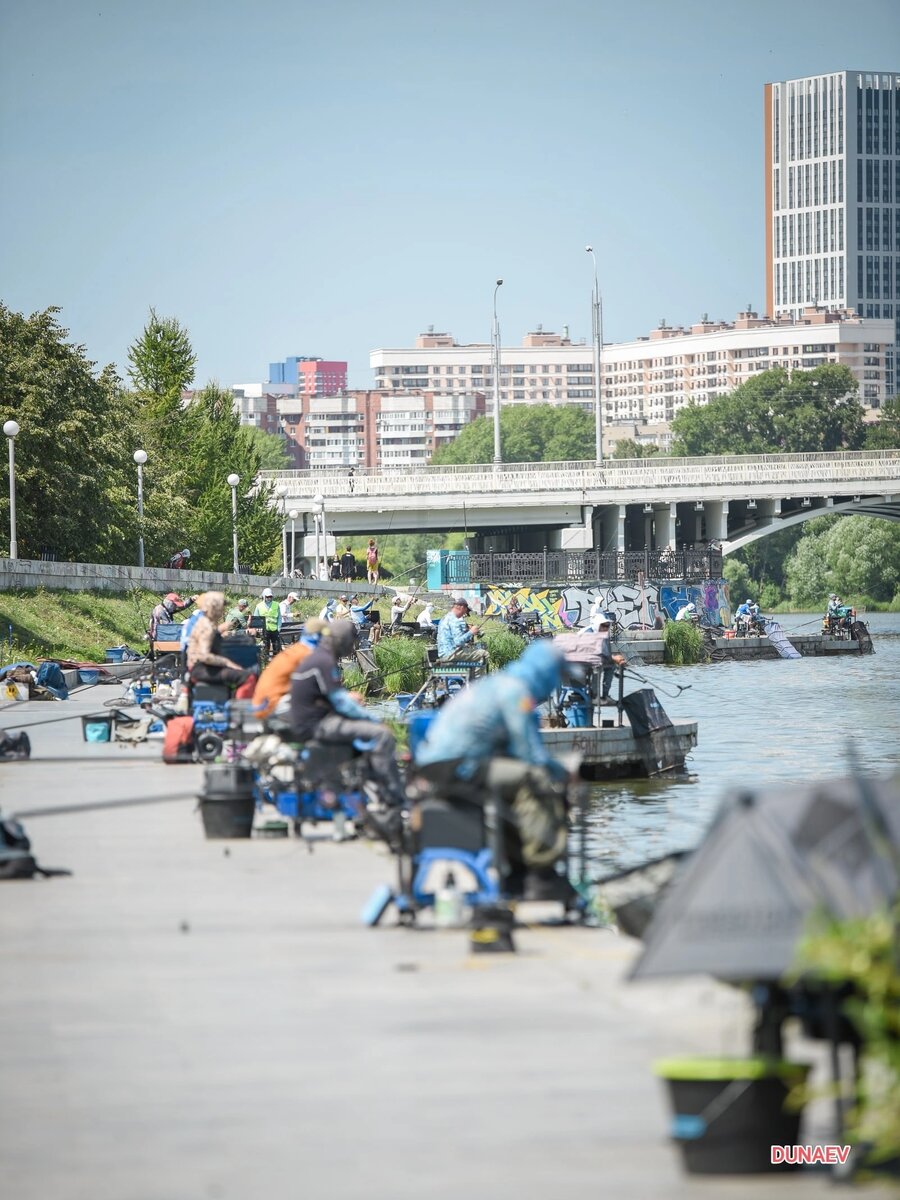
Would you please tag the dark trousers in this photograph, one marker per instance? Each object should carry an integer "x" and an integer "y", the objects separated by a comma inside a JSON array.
[
  {"x": 344, "y": 731},
  {"x": 204, "y": 673},
  {"x": 273, "y": 642}
]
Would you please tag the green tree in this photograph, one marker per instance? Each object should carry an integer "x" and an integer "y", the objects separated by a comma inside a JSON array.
[
  {"x": 885, "y": 433},
  {"x": 737, "y": 575},
  {"x": 776, "y": 413},
  {"x": 75, "y": 481},
  {"x": 213, "y": 445},
  {"x": 629, "y": 448},
  {"x": 854, "y": 556},
  {"x": 273, "y": 455},
  {"x": 528, "y": 433},
  {"x": 161, "y": 363}
]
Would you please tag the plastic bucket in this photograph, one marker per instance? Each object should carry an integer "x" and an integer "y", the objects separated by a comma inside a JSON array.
[
  {"x": 403, "y": 699},
  {"x": 98, "y": 727},
  {"x": 142, "y": 692},
  {"x": 227, "y": 816},
  {"x": 88, "y": 676},
  {"x": 228, "y": 801},
  {"x": 418, "y": 726},
  {"x": 578, "y": 716},
  {"x": 728, "y": 1113},
  {"x": 114, "y": 655}
]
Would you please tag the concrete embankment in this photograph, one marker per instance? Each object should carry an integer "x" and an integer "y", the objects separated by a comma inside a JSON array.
[{"x": 188, "y": 1019}]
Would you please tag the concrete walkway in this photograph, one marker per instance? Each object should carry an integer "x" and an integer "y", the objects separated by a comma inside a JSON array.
[{"x": 185, "y": 1019}]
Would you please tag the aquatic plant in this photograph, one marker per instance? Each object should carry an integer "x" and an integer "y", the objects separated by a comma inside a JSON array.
[
  {"x": 502, "y": 646},
  {"x": 401, "y": 662},
  {"x": 683, "y": 643}
]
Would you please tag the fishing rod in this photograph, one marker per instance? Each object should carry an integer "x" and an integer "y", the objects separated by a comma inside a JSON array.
[
  {"x": 682, "y": 687},
  {"x": 62, "y": 810}
]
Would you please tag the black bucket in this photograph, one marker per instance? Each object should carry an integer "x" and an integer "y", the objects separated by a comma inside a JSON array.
[
  {"x": 491, "y": 929},
  {"x": 729, "y": 1113},
  {"x": 228, "y": 800}
]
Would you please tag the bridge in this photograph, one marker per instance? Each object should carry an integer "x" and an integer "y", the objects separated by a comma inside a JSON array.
[{"x": 619, "y": 505}]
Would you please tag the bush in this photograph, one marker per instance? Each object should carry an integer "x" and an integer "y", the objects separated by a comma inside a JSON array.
[
  {"x": 401, "y": 662},
  {"x": 502, "y": 646},
  {"x": 683, "y": 642}
]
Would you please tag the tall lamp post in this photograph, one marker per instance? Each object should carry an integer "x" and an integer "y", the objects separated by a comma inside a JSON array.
[
  {"x": 11, "y": 429},
  {"x": 293, "y": 514},
  {"x": 232, "y": 481},
  {"x": 318, "y": 508},
  {"x": 140, "y": 457},
  {"x": 495, "y": 355},
  {"x": 280, "y": 493},
  {"x": 597, "y": 337}
]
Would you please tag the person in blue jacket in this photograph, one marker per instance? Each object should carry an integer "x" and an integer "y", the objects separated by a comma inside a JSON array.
[
  {"x": 488, "y": 737},
  {"x": 455, "y": 637},
  {"x": 323, "y": 709}
]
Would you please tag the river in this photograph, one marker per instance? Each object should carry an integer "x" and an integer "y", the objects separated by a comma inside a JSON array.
[{"x": 760, "y": 723}]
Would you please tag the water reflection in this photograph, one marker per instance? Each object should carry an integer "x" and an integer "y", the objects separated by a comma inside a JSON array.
[{"x": 759, "y": 723}]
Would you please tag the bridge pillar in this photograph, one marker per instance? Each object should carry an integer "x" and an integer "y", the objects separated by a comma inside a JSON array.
[
  {"x": 665, "y": 527},
  {"x": 717, "y": 520},
  {"x": 621, "y": 514}
]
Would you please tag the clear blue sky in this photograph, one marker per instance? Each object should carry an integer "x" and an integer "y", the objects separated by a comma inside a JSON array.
[{"x": 309, "y": 178}]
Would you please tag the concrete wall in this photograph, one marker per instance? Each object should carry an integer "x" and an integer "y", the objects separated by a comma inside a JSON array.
[{"x": 79, "y": 577}]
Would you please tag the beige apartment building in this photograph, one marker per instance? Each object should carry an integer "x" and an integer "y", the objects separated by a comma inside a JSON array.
[{"x": 644, "y": 383}]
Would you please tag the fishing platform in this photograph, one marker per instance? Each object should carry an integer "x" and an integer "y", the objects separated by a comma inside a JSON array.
[
  {"x": 649, "y": 645},
  {"x": 612, "y": 751}
]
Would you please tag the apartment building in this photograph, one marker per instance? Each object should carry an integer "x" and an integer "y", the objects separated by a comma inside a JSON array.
[
  {"x": 310, "y": 376},
  {"x": 832, "y": 178},
  {"x": 547, "y": 368},
  {"x": 368, "y": 428},
  {"x": 645, "y": 382}
]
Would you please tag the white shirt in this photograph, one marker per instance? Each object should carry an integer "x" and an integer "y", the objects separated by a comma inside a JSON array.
[
  {"x": 425, "y": 620},
  {"x": 596, "y": 614},
  {"x": 286, "y": 606}
]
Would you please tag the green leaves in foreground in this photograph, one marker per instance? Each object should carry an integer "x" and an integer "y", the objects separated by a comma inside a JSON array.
[{"x": 684, "y": 643}]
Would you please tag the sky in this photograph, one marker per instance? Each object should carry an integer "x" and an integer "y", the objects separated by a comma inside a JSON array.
[{"x": 323, "y": 179}]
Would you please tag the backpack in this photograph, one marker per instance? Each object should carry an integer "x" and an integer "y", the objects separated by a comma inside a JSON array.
[
  {"x": 16, "y": 859},
  {"x": 372, "y": 556},
  {"x": 178, "y": 743}
]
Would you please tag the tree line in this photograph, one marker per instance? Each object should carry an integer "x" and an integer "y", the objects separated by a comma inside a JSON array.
[{"x": 76, "y": 479}]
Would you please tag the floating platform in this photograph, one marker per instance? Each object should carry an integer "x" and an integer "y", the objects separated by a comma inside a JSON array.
[
  {"x": 613, "y": 752},
  {"x": 650, "y": 647}
]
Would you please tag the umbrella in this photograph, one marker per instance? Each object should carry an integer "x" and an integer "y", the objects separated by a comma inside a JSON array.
[{"x": 739, "y": 907}]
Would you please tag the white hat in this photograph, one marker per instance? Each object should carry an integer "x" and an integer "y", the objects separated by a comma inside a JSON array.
[
  {"x": 291, "y": 596},
  {"x": 267, "y": 592}
]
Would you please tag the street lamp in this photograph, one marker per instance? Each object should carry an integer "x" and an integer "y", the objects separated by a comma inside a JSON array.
[
  {"x": 140, "y": 457},
  {"x": 495, "y": 355},
  {"x": 232, "y": 481},
  {"x": 293, "y": 514},
  {"x": 11, "y": 429},
  {"x": 318, "y": 509},
  {"x": 280, "y": 493},
  {"x": 597, "y": 338}
]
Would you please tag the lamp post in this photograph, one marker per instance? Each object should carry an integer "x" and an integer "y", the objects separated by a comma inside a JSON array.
[
  {"x": 280, "y": 493},
  {"x": 318, "y": 508},
  {"x": 495, "y": 354},
  {"x": 232, "y": 481},
  {"x": 293, "y": 514},
  {"x": 11, "y": 429},
  {"x": 597, "y": 338},
  {"x": 140, "y": 457}
]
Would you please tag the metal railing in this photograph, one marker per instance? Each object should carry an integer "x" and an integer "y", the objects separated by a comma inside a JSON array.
[
  {"x": 841, "y": 467},
  {"x": 582, "y": 566}
]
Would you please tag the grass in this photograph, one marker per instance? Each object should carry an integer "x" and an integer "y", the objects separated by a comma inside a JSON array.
[
  {"x": 401, "y": 662},
  {"x": 683, "y": 642}
]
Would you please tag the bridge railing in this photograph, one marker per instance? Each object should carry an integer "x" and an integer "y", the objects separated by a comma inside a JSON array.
[
  {"x": 849, "y": 466},
  {"x": 581, "y": 566}
]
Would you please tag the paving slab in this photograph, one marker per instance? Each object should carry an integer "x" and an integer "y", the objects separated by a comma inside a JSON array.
[{"x": 187, "y": 1018}]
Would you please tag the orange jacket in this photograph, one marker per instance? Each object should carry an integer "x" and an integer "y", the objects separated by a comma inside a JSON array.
[{"x": 275, "y": 680}]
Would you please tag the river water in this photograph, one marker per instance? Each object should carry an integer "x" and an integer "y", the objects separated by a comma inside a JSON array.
[{"x": 759, "y": 723}]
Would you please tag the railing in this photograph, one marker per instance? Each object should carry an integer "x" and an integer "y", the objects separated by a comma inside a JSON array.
[
  {"x": 842, "y": 467},
  {"x": 583, "y": 566}
]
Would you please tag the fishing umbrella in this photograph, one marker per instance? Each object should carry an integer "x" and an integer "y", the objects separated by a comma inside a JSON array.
[{"x": 740, "y": 905}]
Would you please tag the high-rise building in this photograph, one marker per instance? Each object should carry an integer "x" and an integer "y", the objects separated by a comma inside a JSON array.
[
  {"x": 310, "y": 376},
  {"x": 832, "y": 162}
]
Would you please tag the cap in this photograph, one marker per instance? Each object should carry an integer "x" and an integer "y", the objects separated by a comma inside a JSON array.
[
  {"x": 243, "y": 602},
  {"x": 291, "y": 596},
  {"x": 344, "y": 598},
  {"x": 461, "y": 600},
  {"x": 174, "y": 597},
  {"x": 603, "y": 621},
  {"x": 267, "y": 592}
]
